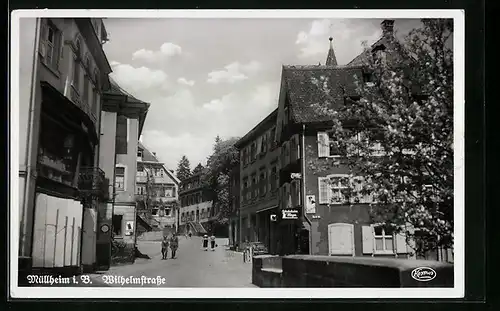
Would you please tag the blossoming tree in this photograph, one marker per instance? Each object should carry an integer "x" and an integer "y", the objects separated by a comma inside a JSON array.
[{"x": 397, "y": 136}]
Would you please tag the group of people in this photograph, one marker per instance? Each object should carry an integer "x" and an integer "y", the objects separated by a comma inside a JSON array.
[
  {"x": 206, "y": 238},
  {"x": 173, "y": 242}
]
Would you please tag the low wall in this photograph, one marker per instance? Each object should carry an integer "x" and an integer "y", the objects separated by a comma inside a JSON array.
[{"x": 331, "y": 271}]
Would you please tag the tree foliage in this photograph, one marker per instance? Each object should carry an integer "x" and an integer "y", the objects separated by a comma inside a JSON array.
[
  {"x": 183, "y": 169},
  {"x": 198, "y": 169},
  {"x": 220, "y": 164},
  {"x": 401, "y": 143}
]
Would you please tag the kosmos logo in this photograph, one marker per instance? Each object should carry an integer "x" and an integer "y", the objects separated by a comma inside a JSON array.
[{"x": 423, "y": 274}]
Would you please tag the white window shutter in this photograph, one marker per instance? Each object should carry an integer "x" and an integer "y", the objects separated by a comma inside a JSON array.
[
  {"x": 401, "y": 246},
  {"x": 259, "y": 145},
  {"x": 367, "y": 234},
  {"x": 323, "y": 145},
  {"x": 323, "y": 191}
]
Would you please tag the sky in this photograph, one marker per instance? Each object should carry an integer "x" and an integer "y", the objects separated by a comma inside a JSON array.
[{"x": 209, "y": 77}]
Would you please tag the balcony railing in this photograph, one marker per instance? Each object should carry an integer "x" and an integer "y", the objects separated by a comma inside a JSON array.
[{"x": 92, "y": 182}]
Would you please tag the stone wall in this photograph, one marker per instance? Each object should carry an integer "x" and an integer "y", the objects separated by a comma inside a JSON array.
[{"x": 331, "y": 271}]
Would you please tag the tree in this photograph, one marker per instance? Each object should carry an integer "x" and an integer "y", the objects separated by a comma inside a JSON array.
[
  {"x": 198, "y": 169},
  {"x": 405, "y": 116},
  {"x": 218, "y": 175},
  {"x": 183, "y": 169}
]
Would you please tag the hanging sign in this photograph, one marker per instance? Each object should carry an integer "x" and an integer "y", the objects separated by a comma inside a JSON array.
[
  {"x": 296, "y": 176},
  {"x": 273, "y": 217},
  {"x": 289, "y": 214}
]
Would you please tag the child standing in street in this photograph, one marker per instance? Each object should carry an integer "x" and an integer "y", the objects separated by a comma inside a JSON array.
[{"x": 164, "y": 248}]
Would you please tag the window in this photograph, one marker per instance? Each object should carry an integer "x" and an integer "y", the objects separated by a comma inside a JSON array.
[
  {"x": 273, "y": 179},
  {"x": 76, "y": 66},
  {"x": 333, "y": 188},
  {"x": 245, "y": 189},
  {"x": 253, "y": 151},
  {"x": 86, "y": 90},
  {"x": 121, "y": 135},
  {"x": 51, "y": 43},
  {"x": 384, "y": 239},
  {"x": 263, "y": 148},
  {"x": 327, "y": 145},
  {"x": 120, "y": 178},
  {"x": 139, "y": 155},
  {"x": 263, "y": 181},
  {"x": 117, "y": 225},
  {"x": 255, "y": 190},
  {"x": 169, "y": 192},
  {"x": 272, "y": 138},
  {"x": 367, "y": 77},
  {"x": 380, "y": 55}
]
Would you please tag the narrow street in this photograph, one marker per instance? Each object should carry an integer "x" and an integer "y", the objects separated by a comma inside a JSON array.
[{"x": 192, "y": 267}]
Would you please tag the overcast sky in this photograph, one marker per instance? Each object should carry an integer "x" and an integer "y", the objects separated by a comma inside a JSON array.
[{"x": 205, "y": 77}]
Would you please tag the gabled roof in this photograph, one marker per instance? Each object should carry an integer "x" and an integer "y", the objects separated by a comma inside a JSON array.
[
  {"x": 306, "y": 85},
  {"x": 148, "y": 156}
]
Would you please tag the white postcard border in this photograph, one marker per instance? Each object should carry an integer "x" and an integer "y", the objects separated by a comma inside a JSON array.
[{"x": 459, "y": 157}]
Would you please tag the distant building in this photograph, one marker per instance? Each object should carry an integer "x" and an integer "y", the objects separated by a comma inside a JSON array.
[
  {"x": 63, "y": 74},
  {"x": 196, "y": 205},
  {"x": 258, "y": 179},
  {"x": 157, "y": 191}
]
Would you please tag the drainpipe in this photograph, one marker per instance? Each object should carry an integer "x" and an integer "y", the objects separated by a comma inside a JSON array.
[
  {"x": 24, "y": 250},
  {"x": 304, "y": 200}
]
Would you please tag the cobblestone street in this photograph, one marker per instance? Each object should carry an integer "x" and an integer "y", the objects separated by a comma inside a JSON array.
[{"x": 192, "y": 266}]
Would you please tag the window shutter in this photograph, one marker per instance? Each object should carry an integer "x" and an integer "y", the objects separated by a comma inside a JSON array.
[
  {"x": 323, "y": 145},
  {"x": 289, "y": 201},
  {"x": 323, "y": 190},
  {"x": 259, "y": 145},
  {"x": 401, "y": 246},
  {"x": 367, "y": 233}
]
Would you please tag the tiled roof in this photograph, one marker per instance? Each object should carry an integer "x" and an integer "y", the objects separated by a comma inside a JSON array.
[
  {"x": 146, "y": 154},
  {"x": 116, "y": 89},
  {"x": 306, "y": 84}
]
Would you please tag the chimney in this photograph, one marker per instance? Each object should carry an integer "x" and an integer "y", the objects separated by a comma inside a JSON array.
[{"x": 387, "y": 26}]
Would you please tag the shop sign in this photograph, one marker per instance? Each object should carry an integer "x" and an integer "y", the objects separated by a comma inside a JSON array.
[
  {"x": 273, "y": 217},
  {"x": 289, "y": 214}
]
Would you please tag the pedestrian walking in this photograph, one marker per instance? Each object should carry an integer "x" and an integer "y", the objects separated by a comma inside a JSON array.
[
  {"x": 205, "y": 242},
  {"x": 174, "y": 244},
  {"x": 164, "y": 248},
  {"x": 212, "y": 242}
]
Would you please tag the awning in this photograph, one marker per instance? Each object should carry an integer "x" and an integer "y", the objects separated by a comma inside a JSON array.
[
  {"x": 266, "y": 209},
  {"x": 143, "y": 223}
]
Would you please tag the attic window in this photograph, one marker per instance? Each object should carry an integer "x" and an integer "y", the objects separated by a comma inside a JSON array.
[
  {"x": 367, "y": 77},
  {"x": 139, "y": 153}
]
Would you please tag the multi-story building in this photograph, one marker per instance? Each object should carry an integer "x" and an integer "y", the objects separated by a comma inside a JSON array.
[
  {"x": 259, "y": 168},
  {"x": 195, "y": 204},
  {"x": 329, "y": 222},
  {"x": 63, "y": 72},
  {"x": 123, "y": 118},
  {"x": 157, "y": 190}
]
